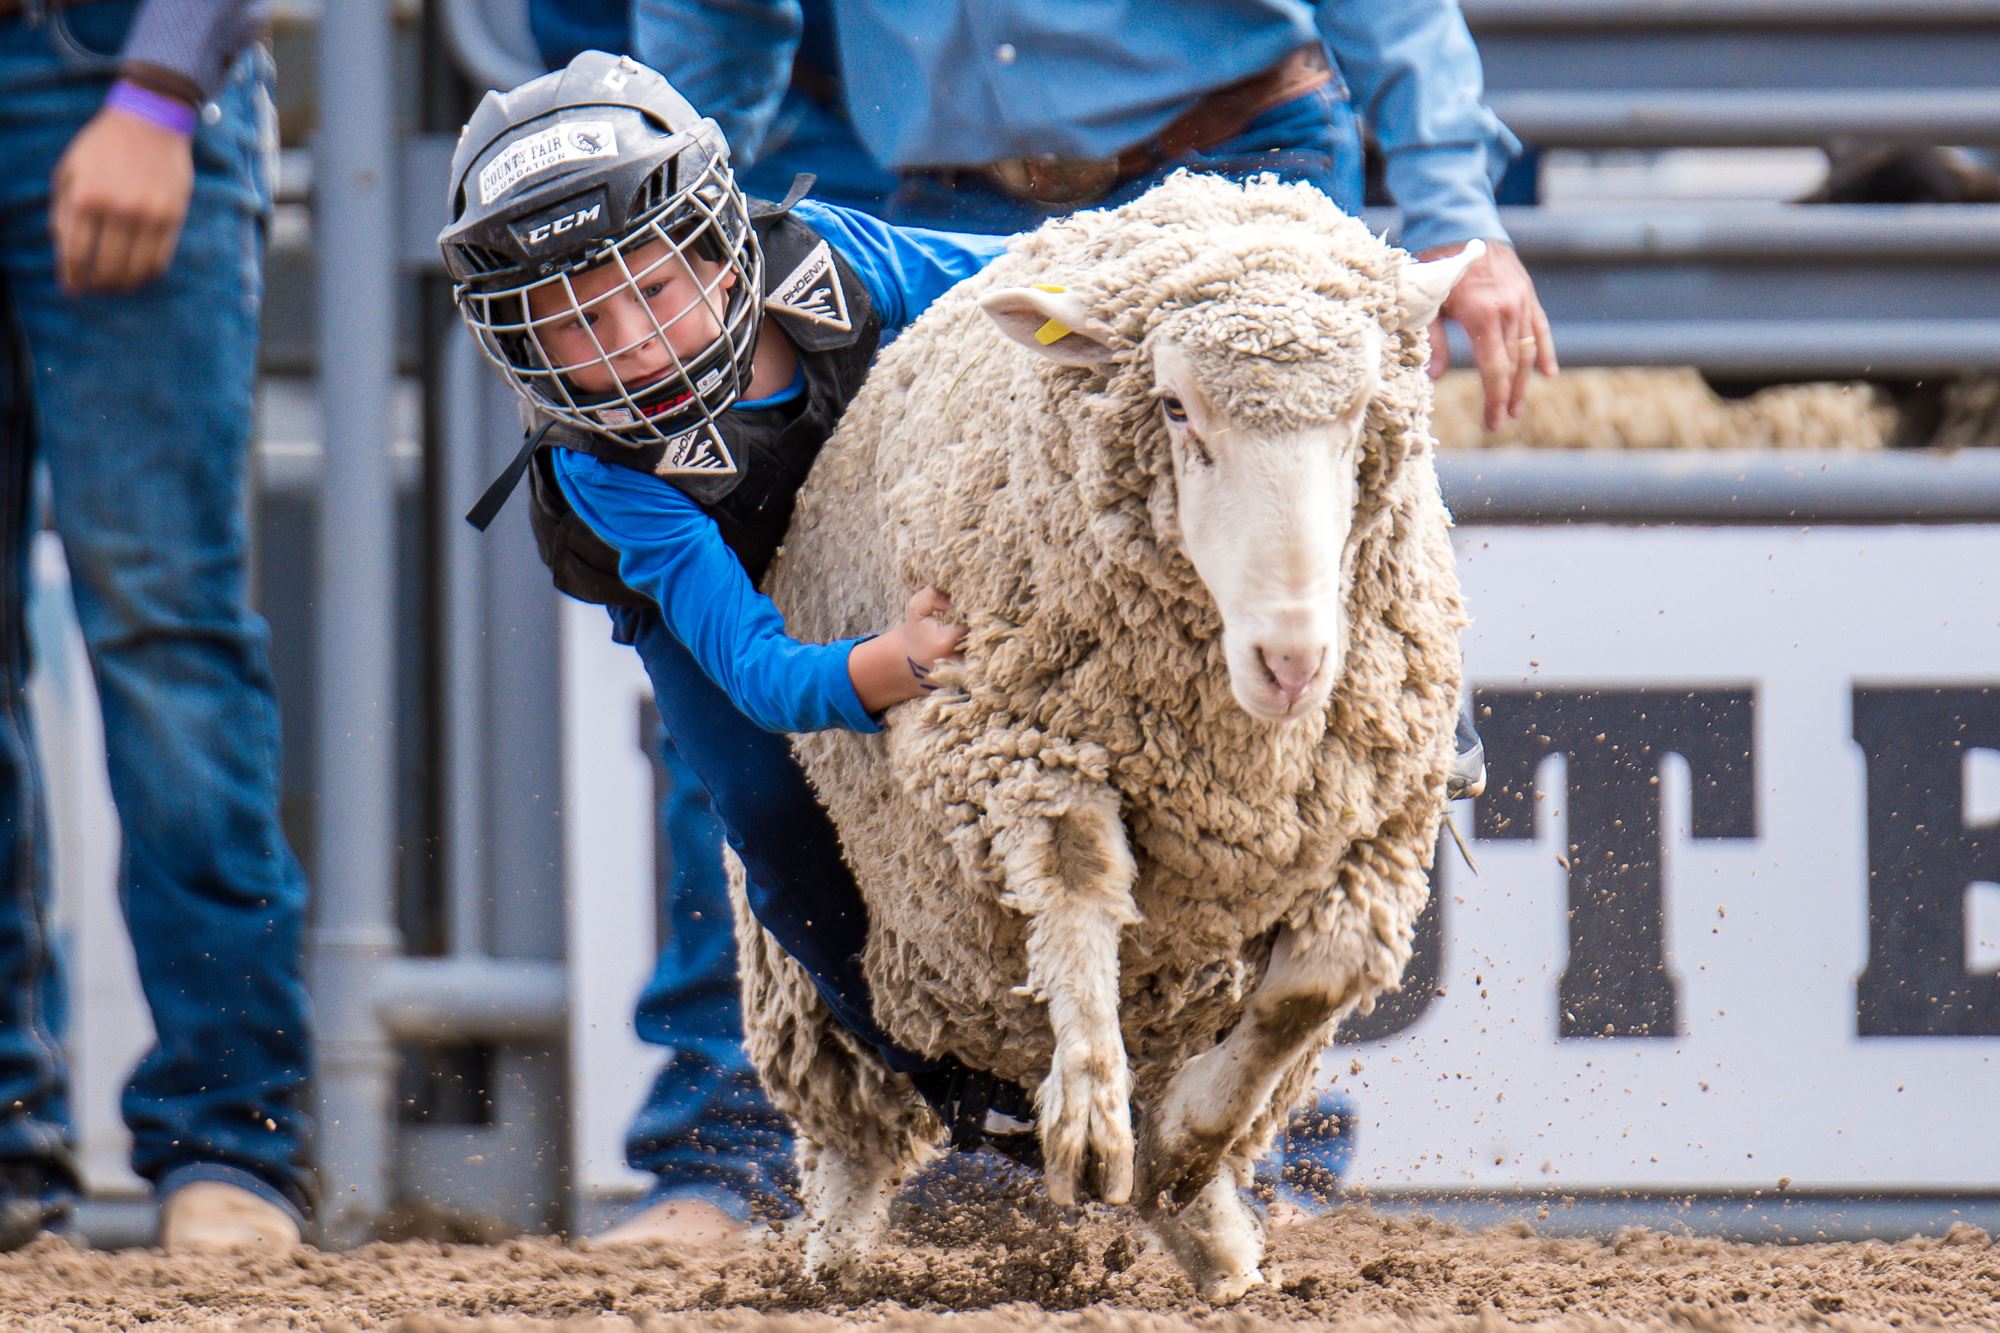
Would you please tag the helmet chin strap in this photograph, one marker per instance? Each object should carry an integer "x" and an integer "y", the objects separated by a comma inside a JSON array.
[{"x": 487, "y": 507}]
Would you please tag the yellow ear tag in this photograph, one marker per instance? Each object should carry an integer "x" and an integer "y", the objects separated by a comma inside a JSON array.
[{"x": 1055, "y": 330}]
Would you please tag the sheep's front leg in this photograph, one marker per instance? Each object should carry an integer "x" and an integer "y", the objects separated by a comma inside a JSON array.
[
  {"x": 1216, "y": 1097},
  {"x": 1072, "y": 876},
  {"x": 846, "y": 1197}
]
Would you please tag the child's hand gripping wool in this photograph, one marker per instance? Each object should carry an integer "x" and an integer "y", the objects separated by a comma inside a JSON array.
[{"x": 897, "y": 665}]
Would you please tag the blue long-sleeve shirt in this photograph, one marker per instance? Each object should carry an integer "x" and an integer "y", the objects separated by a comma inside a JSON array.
[
  {"x": 672, "y": 552},
  {"x": 933, "y": 83}
]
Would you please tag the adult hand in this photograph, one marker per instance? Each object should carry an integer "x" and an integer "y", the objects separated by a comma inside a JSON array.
[
  {"x": 1495, "y": 302},
  {"x": 120, "y": 194}
]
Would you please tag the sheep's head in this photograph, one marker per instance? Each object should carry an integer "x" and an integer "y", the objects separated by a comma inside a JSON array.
[{"x": 1261, "y": 393}]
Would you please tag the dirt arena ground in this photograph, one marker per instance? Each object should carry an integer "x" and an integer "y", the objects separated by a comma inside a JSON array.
[{"x": 998, "y": 1268}]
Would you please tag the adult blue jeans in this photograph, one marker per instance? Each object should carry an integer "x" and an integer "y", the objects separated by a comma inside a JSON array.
[
  {"x": 1314, "y": 138},
  {"x": 808, "y": 136},
  {"x": 140, "y": 406}
]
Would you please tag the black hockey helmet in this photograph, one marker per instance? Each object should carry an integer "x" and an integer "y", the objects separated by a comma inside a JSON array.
[{"x": 603, "y": 164}]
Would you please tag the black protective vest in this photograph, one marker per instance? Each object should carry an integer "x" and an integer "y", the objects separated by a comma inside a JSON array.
[{"x": 774, "y": 448}]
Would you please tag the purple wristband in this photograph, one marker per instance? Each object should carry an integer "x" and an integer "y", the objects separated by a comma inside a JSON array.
[{"x": 169, "y": 113}]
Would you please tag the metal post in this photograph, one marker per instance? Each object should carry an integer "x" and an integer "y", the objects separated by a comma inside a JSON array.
[
  {"x": 354, "y": 227},
  {"x": 467, "y": 709}
]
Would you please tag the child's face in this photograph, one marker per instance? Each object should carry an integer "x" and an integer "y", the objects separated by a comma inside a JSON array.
[{"x": 610, "y": 321}]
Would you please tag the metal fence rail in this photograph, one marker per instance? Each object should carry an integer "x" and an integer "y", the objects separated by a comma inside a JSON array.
[
  {"x": 355, "y": 202},
  {"x": 488, "y": 39},
  {"x": 1737, "y": 15},
  {"x": 1645, "y": 73},
  {"x": 1784, "y": 291},
  {"x": 1688, "y": 118},
  {"x": 1723, "y": 486},
  {"x": 500, "y": 981},
  {"x": 1791, "y": 292}
]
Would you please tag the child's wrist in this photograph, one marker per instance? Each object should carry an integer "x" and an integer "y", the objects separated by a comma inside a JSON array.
[
  {"x": 155, "y": 108},
  {"x": 883, "y": 672},
  {"x": 865, "y": 674}
]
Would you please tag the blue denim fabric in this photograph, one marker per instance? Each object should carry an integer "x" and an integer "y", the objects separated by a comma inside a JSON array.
[
  {"x": 706, "y": 1130},
  {"x": 140, "y": 405},
  {"x": 1314, "y": 138},
  {"x": 806, "y": 136},
  {"x": 1312, "y": 1156},
  {"x": 563, "y": 29}
]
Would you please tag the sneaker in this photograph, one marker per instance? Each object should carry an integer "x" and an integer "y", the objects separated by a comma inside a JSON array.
[
  {"x": 1466, "y": 778},
  {"x": 682, "y": 1223},
  {"x": 29, "y": 1204},
  {"x": 216, "y": 1215}
]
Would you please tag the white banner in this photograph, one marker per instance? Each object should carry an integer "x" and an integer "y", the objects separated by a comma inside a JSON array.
[
  {"x": 609, "y": 832},
  {"x": 1699, "y": 993},
  {"x": 1792, "y": 643}
]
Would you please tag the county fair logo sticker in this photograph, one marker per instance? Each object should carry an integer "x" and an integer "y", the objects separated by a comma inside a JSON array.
[{"x": 543, "y": 151}]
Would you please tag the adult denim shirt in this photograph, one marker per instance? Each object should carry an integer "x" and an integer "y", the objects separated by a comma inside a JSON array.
[{"x": 943, "y": 83}]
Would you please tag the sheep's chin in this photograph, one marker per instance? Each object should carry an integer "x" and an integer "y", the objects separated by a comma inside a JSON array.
[
  {"x": 1274, "y": 709},
  {"x": 1263, "y": 702}
]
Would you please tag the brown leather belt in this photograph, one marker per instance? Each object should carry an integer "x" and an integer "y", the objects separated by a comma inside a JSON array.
[{"x": 1069, "y": 182}]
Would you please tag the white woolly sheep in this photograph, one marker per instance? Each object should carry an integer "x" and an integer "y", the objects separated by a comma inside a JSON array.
[{"x": 1172, "y": 819}]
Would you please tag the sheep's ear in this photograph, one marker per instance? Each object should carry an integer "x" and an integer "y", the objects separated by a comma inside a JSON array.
[
  {"x": 1424, "y": 285},
  {"x": 1051, "y": 320}
]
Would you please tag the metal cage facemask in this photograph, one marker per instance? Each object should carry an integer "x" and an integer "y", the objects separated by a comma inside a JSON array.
[{"x": 646, "y": 338}]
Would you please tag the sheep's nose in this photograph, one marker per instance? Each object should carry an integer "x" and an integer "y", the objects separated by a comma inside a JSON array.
[{"x": 1291, "y": 671}]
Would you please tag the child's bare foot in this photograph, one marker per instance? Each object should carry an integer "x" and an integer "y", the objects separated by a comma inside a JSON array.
[{"x": 684, "y": 1224}]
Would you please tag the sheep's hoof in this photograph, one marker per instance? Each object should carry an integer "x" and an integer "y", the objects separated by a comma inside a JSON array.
[
  {"x": 1230, "y": 1288},
  {"x": 832, "y": 1257},
  {"x": 1086, "y": 1136},
  {"x": 847, "y": 1200},
  {"x": 1216, "y": 1241}
]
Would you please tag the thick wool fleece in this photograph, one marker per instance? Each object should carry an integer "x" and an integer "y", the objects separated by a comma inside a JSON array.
[{"x": 1042, "y": 497}]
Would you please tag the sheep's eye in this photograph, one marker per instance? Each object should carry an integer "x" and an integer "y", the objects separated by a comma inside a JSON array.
[{"x": 1175, "y": 409}]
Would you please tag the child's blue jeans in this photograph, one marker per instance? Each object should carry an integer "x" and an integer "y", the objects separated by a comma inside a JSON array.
[
  {"x": 140, "y": 404},
  {"x": 707, "y": 1131}
]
